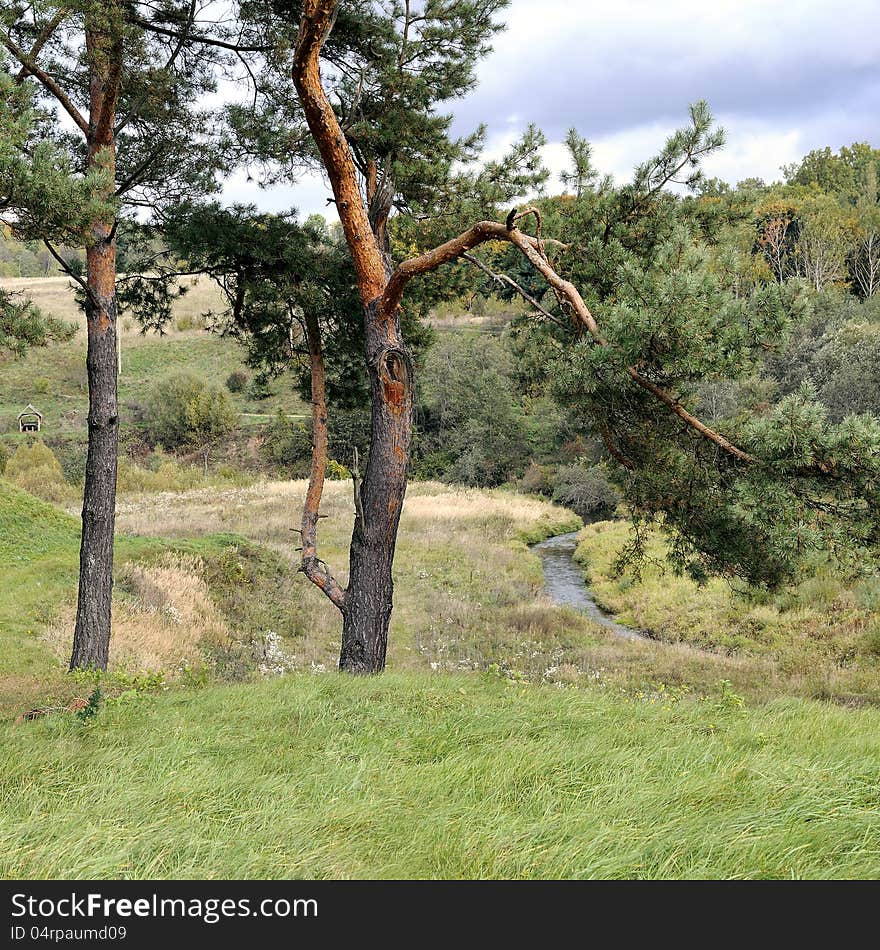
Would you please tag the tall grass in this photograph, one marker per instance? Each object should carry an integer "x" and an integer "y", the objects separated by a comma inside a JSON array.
[
  {"x": 821, "y": 634},
  {"x": 437, "y": 776}
]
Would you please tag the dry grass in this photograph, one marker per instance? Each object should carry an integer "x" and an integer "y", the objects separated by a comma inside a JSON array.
[
  {"x": 56, "y": 296},
  {"x": 468, "y": 593},
  {"x": 818, "y": 635},
  {"x": 163, "y": 617}
]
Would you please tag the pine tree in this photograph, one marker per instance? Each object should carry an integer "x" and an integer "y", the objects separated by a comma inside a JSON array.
[{"x": 110, "y": 96}]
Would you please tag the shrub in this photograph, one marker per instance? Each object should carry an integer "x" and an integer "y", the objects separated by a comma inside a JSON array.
[
  {"x": 470, "y": 412},
  {"x": 185, "y": 410},
  {"x": 288, "y": 443},
  {"x": 236, "y": 381},
  {"x": 259, "y": 389},
  {"x": 537, "y": 480},
  {"x": 586, "y": 490},
  {"x": 34, "y": 468},
  {"x": 161, "y": 472},
  {"x": 336, "y": 471},
  {"x": 189, "y": 321},
  {"x": 168, "y": 475}
]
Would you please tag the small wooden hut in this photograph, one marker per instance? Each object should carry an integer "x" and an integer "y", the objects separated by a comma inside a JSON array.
[{"x": 30, "y": 420}]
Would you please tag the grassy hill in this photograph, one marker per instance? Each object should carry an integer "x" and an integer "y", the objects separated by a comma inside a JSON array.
[
  {"x": 510, "y": 738},
  {"x": 419, "y": 775}
]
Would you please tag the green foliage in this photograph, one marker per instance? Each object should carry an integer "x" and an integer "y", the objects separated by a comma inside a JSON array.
[
  {"x": 675, "y": 289},
  {"x": 92, "y": 707},
  {"x": 236, "y": 381},
  {"x": 471, "y": 427},
  {"x": 288, "y": 444},
  {"x": 34, "y": 468},
  {"x": 272, "y": 269},
  {"x": 41, "y": 183},
  {"x": 336, "y": 471},
  {"x": 164, "y": 473},
  {"x": 843, "y": 174},
  {"x": 184, "y": 410},
  {"x": 23, "y": 325},
  {"x": 395, "y": 69}
]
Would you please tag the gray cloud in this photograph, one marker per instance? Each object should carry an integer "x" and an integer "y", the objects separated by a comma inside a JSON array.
[
  {"x": 607, "y": 67},
  {"x": 782, "y": 78}
]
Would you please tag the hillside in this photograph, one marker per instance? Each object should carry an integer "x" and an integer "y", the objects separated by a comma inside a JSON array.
[
  {"x": 562, "y": 753},
  {"x": 54, "y": 378}
]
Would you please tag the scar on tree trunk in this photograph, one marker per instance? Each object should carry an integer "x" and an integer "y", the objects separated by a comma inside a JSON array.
[{"x": 366, "y": 603}]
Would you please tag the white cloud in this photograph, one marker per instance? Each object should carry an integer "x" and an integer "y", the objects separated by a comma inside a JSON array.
[
  {"x": 308, "y": 194},
  {"x": 784, "y": 78}
]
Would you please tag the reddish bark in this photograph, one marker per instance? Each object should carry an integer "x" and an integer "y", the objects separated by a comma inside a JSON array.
[{"x": 366, "y": 604}]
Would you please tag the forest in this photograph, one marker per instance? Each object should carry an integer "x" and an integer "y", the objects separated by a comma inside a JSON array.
[{"x": 359, "y": 543}]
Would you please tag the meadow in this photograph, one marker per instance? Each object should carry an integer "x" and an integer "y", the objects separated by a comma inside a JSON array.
[
  {"x": 54, "y": 379},
  {"x": 510, "y": 738}
]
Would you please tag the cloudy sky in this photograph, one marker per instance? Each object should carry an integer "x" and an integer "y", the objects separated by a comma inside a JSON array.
[{"x": 781, "y": 77}]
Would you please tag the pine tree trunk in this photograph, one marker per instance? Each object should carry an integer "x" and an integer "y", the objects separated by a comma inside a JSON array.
[
  {"x": 91, "y": 639},
  {"x": 370, "y": 591}
]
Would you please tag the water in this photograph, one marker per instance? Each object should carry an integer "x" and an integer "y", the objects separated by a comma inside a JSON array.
[{"x": 564, "y": 583}]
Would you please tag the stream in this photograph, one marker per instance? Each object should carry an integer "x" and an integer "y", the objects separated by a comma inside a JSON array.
[{"x": 564, "y": 583}]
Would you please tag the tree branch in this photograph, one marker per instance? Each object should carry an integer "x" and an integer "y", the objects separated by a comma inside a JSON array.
[
  {"x": 317, "y": 21},
  {"x": 40, "y": 42},
  {"x": 49, "y": 83},
  {"x": 485, "y": 231},
  {"x": 312, "y": 566},
  {"x": 196, "y": 37},
  {"x": 66, "y": 268},
  {"x": 505, "y": 279}
]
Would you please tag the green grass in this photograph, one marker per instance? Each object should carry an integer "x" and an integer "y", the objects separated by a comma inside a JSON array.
[
  {"x": 413, "y": 775},
  {"x": 39, "y": 550},
  {"x": 38, "y": 556},
  {"x": 562, "y": 753},
  {"x": 822, "y": 633}
]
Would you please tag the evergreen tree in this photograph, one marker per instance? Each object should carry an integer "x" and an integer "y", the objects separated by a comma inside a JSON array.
[
  {"x": 98, "y": 116},
  {"x": 668, "y": 300},
  {"x": 386, "y": 148}
]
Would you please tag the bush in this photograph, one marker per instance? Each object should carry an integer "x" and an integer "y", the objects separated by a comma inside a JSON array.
[
  {"x": 168, "y": 475},
  {"x": 336, "y": 471},
  {"x": 288, "y": 444},
  {"x": 34, "y": 468},
  {"x": 71, "y": 453},
  {"x": 189, "y": 321},
  {"x": 538, "y": 480},
  {"x": 470, "y": 412},
  {"x": 185, "y": 410},
  {"x": 586, "y": 491},
  {"x": 259, "y": 389},
  {"x": 236, "y": 381}
]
